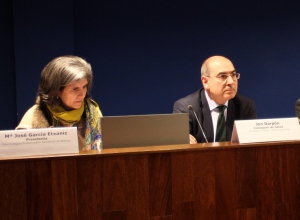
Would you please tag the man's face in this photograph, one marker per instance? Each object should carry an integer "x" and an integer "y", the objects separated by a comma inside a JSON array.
[{"x": 220, "y": 85}]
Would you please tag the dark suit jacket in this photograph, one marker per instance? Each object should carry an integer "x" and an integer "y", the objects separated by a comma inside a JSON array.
[{"x": 239, "y": 108}]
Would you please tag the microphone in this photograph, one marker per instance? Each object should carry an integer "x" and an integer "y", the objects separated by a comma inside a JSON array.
[
  {"x": 190, "y": 107},
  {"x": 297, "y": 109}
]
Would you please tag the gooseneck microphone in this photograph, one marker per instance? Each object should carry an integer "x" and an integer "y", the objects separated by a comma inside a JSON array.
[{"x": 190, "y": 107}]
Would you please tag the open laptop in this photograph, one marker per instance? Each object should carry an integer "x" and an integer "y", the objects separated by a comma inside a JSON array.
[{"x": 144, "y": 130}]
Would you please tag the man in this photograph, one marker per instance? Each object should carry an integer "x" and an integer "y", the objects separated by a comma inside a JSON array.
[{"x": 217, "y": 105}]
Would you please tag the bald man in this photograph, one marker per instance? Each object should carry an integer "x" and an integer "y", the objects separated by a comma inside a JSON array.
[{"x": 220, "y": 83}]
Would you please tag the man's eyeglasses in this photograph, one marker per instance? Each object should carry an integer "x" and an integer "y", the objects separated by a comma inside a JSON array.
[{"x": 224, "y": 77}]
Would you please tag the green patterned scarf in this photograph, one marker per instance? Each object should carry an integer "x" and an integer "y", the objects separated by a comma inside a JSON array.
[
  {"x": 61, "y": 117},
  {"x": 93, "y": 128}
]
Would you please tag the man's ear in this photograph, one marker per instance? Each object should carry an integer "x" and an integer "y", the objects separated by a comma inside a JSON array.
[{"x": 204, "y": 80}]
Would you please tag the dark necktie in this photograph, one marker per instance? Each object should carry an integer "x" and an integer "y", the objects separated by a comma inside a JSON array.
[{"x": 221, "y": 126}]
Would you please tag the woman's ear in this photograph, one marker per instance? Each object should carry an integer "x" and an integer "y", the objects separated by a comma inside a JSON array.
[{"x": 58, "y": 95}]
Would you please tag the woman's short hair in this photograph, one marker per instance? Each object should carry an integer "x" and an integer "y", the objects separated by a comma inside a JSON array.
[{"x": 59, "y": 73}]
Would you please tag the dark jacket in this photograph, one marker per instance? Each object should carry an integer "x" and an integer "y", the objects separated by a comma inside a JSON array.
[{"x": 239, "y": 108}]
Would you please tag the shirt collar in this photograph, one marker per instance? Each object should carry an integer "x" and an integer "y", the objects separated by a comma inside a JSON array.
[{"x": 211, "y": 103}]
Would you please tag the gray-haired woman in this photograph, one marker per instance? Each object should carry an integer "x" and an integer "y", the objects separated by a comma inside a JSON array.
[{"x": 64, "y": 100}]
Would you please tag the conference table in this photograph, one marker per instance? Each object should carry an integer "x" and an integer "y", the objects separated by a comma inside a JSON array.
[{"x": 218, "y": 181}]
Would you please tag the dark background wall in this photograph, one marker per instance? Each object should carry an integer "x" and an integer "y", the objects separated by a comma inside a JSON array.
[
  {"x": 146, "y": 55},
  {"x": 8, "y": 116}
]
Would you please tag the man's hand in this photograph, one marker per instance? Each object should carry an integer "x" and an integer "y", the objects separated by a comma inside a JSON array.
[{"x": 193, "y": 139}]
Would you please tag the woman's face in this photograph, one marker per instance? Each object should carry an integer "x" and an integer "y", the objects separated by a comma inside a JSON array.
[{"x": 73, "y": 94}]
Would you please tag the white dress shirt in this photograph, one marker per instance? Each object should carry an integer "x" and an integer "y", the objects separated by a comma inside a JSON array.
[{"x": 214, "y": 111}]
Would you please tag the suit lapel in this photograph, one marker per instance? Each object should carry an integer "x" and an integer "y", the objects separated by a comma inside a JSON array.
[
  {"x": 205, "y": 118},
  {"x": 231, "y": 112}
]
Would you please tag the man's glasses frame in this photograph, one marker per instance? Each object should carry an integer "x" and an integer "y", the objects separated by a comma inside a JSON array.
[{"x": 222, "y": 77}]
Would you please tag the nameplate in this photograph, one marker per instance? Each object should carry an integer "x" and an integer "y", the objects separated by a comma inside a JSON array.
[
  {"x": 263, "y": 130},
  {"x": 32, "y": 142}
]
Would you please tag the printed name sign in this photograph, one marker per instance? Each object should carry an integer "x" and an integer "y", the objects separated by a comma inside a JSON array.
[
  {"x": 30, "y": 142},
  {"x": 262, "y": 130}
]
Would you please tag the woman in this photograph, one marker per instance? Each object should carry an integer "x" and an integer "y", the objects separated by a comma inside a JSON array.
[{"x": 64, "y": 100}]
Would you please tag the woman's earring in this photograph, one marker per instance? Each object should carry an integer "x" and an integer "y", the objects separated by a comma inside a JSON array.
[{"x": 57, "y": 97}]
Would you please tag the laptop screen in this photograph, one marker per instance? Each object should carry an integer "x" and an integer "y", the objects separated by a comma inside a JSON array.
[{"x": 144, "y": 130}]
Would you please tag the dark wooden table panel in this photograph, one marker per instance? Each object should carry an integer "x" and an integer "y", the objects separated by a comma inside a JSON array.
[
  {"x": 267, "y": 167},
  {"x": 183, "y": 177},
  {"x": 13, "y": 196},
  {"x": 89, "y": 192},
  {"x": 137, "y": 187},
  {"x": 286, "y": 175},
  {"x": 246, "y": 214},
  {"x": 225, "y": 184},
  {"x": 39, "y": 187},
  {"x": 64, "y": 189},
  {"x": 113, "y": 183},
  {"x": 246, "y": 178},
  {"x": 205, "y": 193},
  {"x": 160, "y": 185},
  {"x": 204, "y": 181}
]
